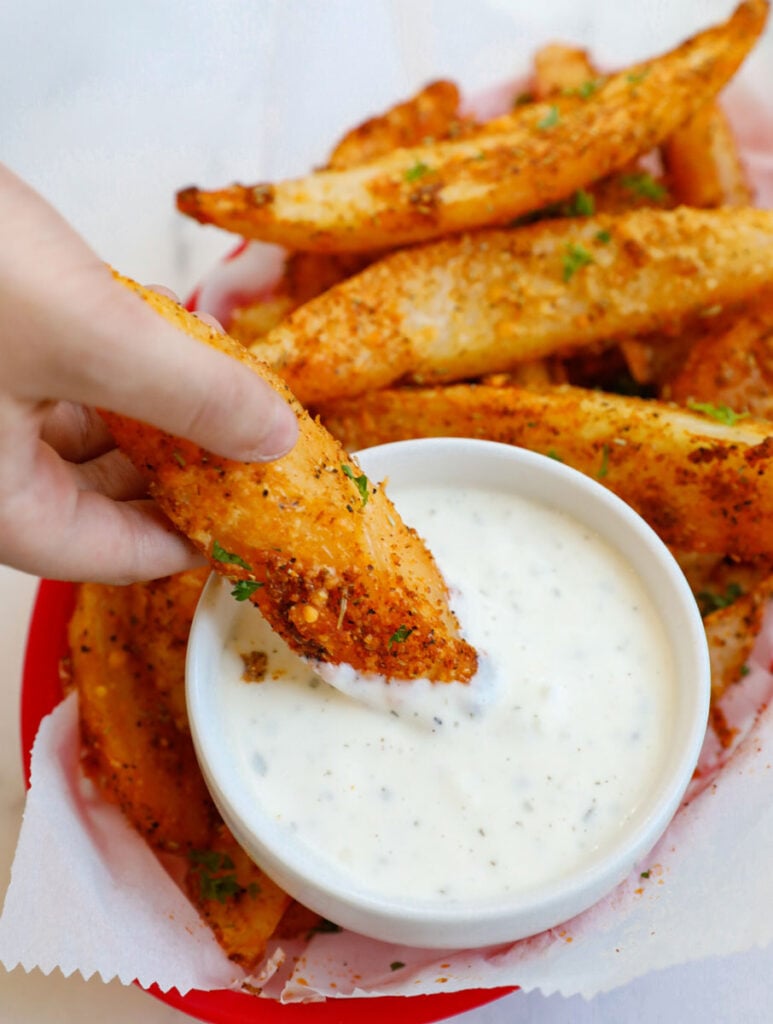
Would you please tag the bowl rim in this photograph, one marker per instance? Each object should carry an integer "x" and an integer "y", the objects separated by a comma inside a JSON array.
[{"x": 476, "y": 923}]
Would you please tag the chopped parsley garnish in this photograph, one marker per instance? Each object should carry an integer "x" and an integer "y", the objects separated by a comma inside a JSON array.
[
  {"x": 710, "y": 601},
  {"x": 744, "y": 670},
  {"x": 721, "y": 413},
  {"x": 396, "y": 965},
  {"x": 400, "y": 635},
  {"x": 643, "y": 184},
  {"x": 324, "y": 927},
  {"x": 582, "y": 204},
  {"x": 634, "y": 77},
  {"x": 603, "y": 236},
  {"x": 215, "y": 872},
  {"x": 178, "y": 458},
  {"x": 244, "y": 589},
  {"x": 418, "y": 170},
  {"x": 645, "y": 874},
  {"x": 585, "y": 89},
  {"x": 361, "y": 481},
  {"x": 523, "y": 98},
  {"x": 575, "y": 257},
  {"x": 220, "y": 554},
  {"x": 553, "y": 454},
  {"x": 550, "y": 120},
  {"x": 604, "y": 467}
]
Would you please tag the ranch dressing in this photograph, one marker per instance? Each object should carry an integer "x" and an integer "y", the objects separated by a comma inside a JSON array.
[{"x": 453, "y": 792}]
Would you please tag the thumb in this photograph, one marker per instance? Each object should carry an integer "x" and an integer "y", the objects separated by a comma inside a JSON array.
[{"x": 70, "y": 331}]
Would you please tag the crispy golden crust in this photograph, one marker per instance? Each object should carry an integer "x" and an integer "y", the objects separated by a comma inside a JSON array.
[
  {"x": 481, "y": 303},
  {"x": 538, "y": 154},
  {"x": 338, "y": 574},
  {"x": 141, "y": 760},
  {"x": 702, "y": 485},
  {"x": 731, "y": 364}
]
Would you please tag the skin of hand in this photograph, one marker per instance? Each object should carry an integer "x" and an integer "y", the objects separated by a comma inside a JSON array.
[{"x": 72, "y": 340}]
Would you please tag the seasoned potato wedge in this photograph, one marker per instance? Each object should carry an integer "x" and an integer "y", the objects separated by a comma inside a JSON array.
[
  {"x": 731, "y": 364},
  {"x": 140, "y": 758},
  {"x": 703, "y": 163},
  {"x": 538, "y": 154},
  {"x": 308, "y": 538},
  {"x": 703, "y": 485},
  {"x": 483, "y": 302}
]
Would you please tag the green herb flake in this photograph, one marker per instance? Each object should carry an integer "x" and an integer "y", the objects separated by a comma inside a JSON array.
[
  {"x": 634, "y": 77},
  {"x": 710, "y": 601},
  {"x": 178, "y": 458},
  {"x": 644, "y": 185},
  {"x": 400, "y": 635},
  {"x": 418, "y": 170},
  {"x": 588, "y": 88},
  {"x": 361, "y": 481},
  {"x": 582, "y": 204},
  {"x": 244, "y": 589},
  {"x": 523, "y": 98},
  {"x": 721, "y": 413},
  {"x": 215, "y": 874},
  {"x": 550, "y": 120},
  {"x": 603, "y": 236},
  {"x": 575, "y": 257},
  {"x": 745, "y": 670},
  {"x": 645, "y": 874},
  {"x": 219, "y": 554},
  {"x": 324, "y": 927},
  {"x": 553, "y": 454},
  {"x": 396, "y": 965},
  {"x": 604, "y": 467}
]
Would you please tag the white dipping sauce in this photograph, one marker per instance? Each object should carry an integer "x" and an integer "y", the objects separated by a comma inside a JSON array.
[{"x": 453, "y": 792}]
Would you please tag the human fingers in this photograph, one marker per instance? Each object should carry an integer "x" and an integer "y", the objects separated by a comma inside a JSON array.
[
  {"x": 76, "y": 432},
  {"x": 53, "y": 524},
  {"x": 69, "y": 331}
]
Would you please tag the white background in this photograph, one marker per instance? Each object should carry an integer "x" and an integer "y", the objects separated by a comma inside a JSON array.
[{"x": 109, "y": 108}]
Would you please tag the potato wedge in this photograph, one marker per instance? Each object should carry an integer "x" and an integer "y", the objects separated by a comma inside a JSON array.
[
  {"x": 308, "y": 538},
  {"x": 141, "y": 760},
  {"x": 539, "y": 154},
  {"x": 481, "y": 303},
  {"x": 732, "y": 632},
  {"x": 560, "y": 69},
  {"x": 703, "y": 163},
  {"x": 701, "y": 484},
  {"x": 731, "y": 364},
  {"x": 430, "y": 113}
]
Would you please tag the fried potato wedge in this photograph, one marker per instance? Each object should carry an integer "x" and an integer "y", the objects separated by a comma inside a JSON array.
[
  {"x": 560, "y": 69},
  {"x": 481, "y": 303},
  {"x": 732, "y": 366},
  {"x": 142, "y": 761},
  {"x": 701, "y": 484},
  {"x": 732, "y": 632},
  {"x": 433, "y": 112},
  {"x": 703, "y": 163},
  {"x": 308, "y": 538},
  {"x": 538, "y": 154}
]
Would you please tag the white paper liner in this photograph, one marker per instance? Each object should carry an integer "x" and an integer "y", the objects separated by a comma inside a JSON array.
[
  {"x": 98, "y": 901},
  {"x": 87, "y": 895}
]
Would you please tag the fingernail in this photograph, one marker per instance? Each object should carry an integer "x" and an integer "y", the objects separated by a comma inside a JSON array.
[{"x": 280, "y": 435}]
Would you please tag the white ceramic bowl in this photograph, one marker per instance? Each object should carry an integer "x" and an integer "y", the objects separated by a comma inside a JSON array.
[{"x": 468, "y": 464}]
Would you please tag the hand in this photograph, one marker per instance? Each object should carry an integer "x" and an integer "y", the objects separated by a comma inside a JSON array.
[{"x": 72, "y": 339}]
